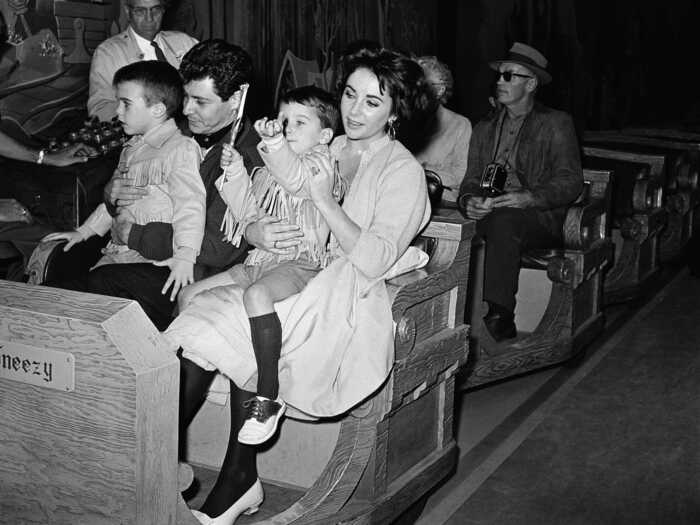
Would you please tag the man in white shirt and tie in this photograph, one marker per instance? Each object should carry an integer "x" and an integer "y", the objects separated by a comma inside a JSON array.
[{"x": 142, "y": 40}]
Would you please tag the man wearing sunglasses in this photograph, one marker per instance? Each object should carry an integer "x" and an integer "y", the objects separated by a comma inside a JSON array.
[
  {"x": 142, "y": 40},
  {"x": 534, "y": 152}
]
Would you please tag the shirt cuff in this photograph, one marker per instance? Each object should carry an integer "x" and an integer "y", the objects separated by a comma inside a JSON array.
[
  {"x": 85, "y": 232},
  {"x": 370, "y": 266},
  {"x": 186, "y": 254}
]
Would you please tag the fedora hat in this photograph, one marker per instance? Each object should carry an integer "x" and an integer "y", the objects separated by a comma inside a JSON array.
[{"x": 529, "y": 57}]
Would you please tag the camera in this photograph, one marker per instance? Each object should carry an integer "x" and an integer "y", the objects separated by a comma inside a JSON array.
[{"x": 493, "y": 179}]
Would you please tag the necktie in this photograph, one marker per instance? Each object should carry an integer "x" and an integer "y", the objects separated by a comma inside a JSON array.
[{"x": 159, "y": 52}]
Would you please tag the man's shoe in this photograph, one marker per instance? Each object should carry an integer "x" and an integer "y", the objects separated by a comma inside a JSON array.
[
  {"x": 262, "y": 419},
  {"x": 500, "y": 325}
]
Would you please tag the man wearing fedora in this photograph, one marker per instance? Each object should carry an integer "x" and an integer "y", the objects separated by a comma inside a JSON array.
[{"x": 534, "y": 152}]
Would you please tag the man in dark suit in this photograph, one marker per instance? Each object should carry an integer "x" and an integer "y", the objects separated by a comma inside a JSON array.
[
  {"x": 535, "y": 150},
  {"x": 213, "y": 72}
]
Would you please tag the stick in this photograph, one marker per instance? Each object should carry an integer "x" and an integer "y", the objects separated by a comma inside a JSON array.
[{"x": 239, "y": 114}]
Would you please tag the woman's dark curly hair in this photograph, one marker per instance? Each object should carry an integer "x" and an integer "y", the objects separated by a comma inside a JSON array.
[
  {"x": 228, "y": 65},
  {"x": 399, "y": 76}
]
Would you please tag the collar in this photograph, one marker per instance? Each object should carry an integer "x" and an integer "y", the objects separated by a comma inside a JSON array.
[
  {"x": 143, "y": 44},
  {"x": 156, "y": 137},
  {"x": 206, "y": 141},
  {"x": 373, "y": 147}
]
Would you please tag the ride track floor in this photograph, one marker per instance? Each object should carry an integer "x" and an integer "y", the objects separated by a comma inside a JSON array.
[{"x": 612, "y": 440}]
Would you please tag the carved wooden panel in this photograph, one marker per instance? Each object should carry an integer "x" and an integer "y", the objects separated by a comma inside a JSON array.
[{"x": 106, "y": 449}]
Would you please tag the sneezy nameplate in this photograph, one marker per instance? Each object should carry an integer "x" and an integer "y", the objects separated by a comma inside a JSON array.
[{"x": 37, "y": 366}]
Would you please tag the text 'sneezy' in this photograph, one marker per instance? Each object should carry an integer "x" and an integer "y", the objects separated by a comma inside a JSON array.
[{"x": 27, "y": 366}]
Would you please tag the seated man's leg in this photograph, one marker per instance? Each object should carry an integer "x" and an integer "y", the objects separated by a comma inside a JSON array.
[
  {"x": 140, "y": 282},
  {"x": 24, "y": 237},
  {"x": 508, "y": 232}
]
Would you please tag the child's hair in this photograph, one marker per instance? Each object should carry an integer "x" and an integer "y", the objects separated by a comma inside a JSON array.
[
  {"x": 160, "y": 81},
  {"x": 321, "y": 100}
]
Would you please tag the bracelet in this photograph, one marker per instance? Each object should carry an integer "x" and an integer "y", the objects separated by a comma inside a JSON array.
[{"x": 40, "y": 158}]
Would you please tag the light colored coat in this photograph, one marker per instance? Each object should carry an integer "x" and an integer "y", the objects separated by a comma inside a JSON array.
[
  {"x": 337, "y": 346},
  {"x": 447, "y": 150},
  {"x": 166, "y": 163},
  {"x": 279, "y": 189},
  {"x": 119, "y": 51}
]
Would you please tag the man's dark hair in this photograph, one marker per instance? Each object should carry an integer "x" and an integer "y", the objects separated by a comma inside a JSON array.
[
  {"x": 228, "y": 65},
  {"x": 161, "y": 82},
  {"x": 321, "y": 100}
]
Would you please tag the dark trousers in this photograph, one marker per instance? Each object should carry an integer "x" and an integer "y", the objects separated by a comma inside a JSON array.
[
  {"x": 509, "y": 232},
  {"x": 141, "y": 282}
]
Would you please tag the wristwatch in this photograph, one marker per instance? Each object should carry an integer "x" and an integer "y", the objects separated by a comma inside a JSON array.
[{"x": 40, "y": 156}]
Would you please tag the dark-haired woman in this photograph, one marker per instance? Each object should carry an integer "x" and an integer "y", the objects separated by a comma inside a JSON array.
[{"x": 346, "y": 307}]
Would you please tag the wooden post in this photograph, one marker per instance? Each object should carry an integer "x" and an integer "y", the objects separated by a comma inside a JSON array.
[{"x": 88, "y": 404}]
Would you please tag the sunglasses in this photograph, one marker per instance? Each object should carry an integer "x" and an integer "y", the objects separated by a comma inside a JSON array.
[{"x": 508, "y": 75}]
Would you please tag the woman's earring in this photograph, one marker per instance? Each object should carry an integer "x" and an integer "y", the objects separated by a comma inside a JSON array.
[{"x": 392, "y": 129}]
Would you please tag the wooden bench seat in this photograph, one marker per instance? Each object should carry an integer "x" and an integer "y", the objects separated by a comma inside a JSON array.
[
  {"x": 570, "y": 314},
  {"x": 365, "y": 467},
  {"x": 681, "y": 167},
  {"x": 637, "y": 218}
]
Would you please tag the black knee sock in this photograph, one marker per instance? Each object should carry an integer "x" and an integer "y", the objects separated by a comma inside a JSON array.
[
  {"x": 239, "y": 470},
  {"x": 266, "y": 333},
  {"x": 194, "y": 384}
]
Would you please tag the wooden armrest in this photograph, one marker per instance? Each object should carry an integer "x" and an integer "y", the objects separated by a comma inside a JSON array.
[
  {"x": 431, "y": 299},
  {"x": 49, "y": 263},
  {"x": 582, "y": 225},
  {"x": 586, "y": 220}
]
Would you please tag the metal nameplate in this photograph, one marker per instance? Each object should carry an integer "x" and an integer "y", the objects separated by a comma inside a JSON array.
[{"x": 37, "y": 366}]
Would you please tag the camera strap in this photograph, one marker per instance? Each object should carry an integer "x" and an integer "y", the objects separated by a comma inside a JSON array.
[{"x": 501, "y": 123}]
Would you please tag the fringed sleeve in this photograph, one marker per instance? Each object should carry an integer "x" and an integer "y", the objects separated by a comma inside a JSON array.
[{"x": 241, "y": 207}]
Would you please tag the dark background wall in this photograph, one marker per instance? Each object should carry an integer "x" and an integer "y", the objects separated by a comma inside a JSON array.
[{"x": 615, "y": 62}]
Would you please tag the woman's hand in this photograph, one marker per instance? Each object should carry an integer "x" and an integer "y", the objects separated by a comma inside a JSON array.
[
  {"x": 229, "y": 156},
  {"x": 72, "y": 238},
  {"x": 13, "y": 211},
  {"x": 268, "y": 129},
  {"x": 121, "y": 191},
  {"x": 321, "y": 181},
  {"x": 273, "y": 235},
  {"x": 70, "y": 155}
]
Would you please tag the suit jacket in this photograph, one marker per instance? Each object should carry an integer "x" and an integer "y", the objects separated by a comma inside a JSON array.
[
  {"x": 117, "y": 52},
  {"x": 548, "y": 161}
]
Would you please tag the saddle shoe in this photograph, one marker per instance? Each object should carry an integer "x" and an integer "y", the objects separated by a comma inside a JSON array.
[{"x": 262, "y": 420}]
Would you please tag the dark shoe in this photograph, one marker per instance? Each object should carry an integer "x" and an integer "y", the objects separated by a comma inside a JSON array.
[{"x": 501, "y": 325}]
